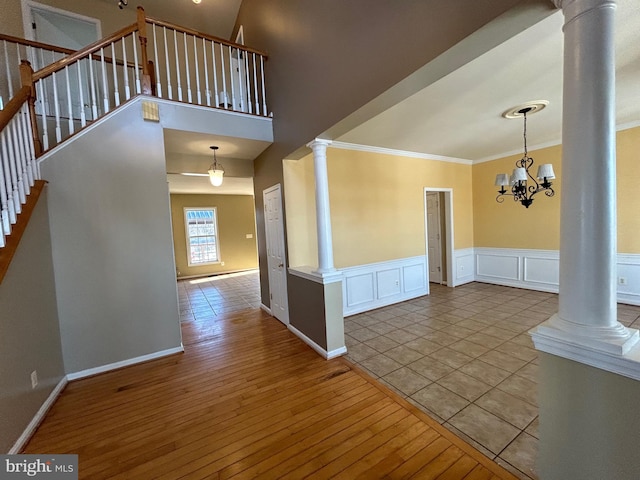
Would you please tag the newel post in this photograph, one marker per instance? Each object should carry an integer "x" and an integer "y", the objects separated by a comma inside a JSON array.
[
  {"x": 142, "y": 34},
  {"x": 26, "y": 80}
]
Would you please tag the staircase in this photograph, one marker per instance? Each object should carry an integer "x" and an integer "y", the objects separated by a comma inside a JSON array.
[{"x": 54, "y": 93}]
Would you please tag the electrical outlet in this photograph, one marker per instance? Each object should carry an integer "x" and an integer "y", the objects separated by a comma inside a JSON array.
[
  {"x": 34, "y": 379},
  {"x": 222, "y": 264},
  {"x": 249, "y": 235},
  {"x": 622, "y": 280}
]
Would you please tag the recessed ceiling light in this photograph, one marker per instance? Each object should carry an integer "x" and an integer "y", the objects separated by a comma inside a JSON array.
[
  {"x": 197, "y": 1},
  {"x": 529, "y": 107}
]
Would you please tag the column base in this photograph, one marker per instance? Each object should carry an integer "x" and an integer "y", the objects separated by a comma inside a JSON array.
[{"x": 615, "y": 349}]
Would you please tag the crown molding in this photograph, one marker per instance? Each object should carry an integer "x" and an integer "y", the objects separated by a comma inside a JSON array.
[{"x": 399, "y": 153}]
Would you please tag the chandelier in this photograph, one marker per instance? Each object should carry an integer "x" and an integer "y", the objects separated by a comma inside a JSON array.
[
  {"x": 216, "y": 171},
  {"x": 522, "y": 186}
]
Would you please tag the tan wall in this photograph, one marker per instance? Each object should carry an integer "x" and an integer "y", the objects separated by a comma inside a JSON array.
[
  {"x": 509, "y": 225},
  {"x": 377, "y": 206},
  {"x": 300, "y": 205},
  {"x": 235, "y": 220}
]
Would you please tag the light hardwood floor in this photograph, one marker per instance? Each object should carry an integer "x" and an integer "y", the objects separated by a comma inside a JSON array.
[{"x": 249, "y": 400}]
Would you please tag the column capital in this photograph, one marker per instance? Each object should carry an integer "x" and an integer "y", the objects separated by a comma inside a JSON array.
[
  {"x": 588, "y": 4},
  {"x": 319, "y": 142}
]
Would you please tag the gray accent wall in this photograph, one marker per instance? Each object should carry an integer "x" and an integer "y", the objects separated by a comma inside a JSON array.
[
  {"x": 29, "y": 330},
  {"x": 589, "y": 422},
  {"x": 112, "y": 242},
  {"x": 307, "y": 308}
]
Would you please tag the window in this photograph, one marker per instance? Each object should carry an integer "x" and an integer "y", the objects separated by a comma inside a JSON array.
[{"x": 202, "y": 235}]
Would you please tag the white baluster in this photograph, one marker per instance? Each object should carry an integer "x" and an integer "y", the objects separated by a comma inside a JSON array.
[
  {"x": 45, "y": 126},
  {"x": 94, "y": 96},
  {"x": 105, "y": 85},
  {"x": 33, "y": 164},
  {"x": 127, "y": 90},
  {"x": 69, "y": 105},
  {"x": 9, "y": 177},
  {"x": 6, "y": 61},
  {"x": 166, "y": 59},
  {"x": 155, "y": 50},
  {"x": 225, "y": 97},
  {"x": 175, "y": 46},
  {"x": 195, "y": 55},
  {"x": 206, "y": 72},
  {"x": 83, "y": 116},
  {"x": 21, "y": 158},
  {"x": 232, "y": 77},
  {"x": 248, "y": 80},
  {"x": 46, "y": 108},
  {"x": 5, "y": 226},
  {"x": 215, "y": 73},
  {"x": 16, "y": 175},
  {"x": 114, "y": 65},
  {"x": 264, "y": 97},
  {"x": 135, "y": 64},
  {"x": 188, "y": 72},
  {"x": 241, "y": 105},
  {"x": 26, "y": 143},
  {"x": 56, "y": 107},
  {"x": 255, "y": 84}
]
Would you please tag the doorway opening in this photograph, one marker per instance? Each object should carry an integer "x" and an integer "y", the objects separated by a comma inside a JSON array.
[{"x": 438, "y": 226}]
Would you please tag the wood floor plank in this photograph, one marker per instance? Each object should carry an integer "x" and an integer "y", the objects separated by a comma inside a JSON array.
[{"x": 247, "y": 399}]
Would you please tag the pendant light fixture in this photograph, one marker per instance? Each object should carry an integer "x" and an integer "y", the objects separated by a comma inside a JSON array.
[
  {"x": 522, "y": 186},
  {"x": 216, "y": 171}
]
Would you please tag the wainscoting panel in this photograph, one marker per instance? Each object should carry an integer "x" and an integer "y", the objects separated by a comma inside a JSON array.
[
  {"x": 388, "y": 282},
  {"x": 497, "y": 266},
  {"x": 366, "y": 287},
  {"x": 463, "y": 266},
  {"x": 413, "y": 278},
  {"x": 359, "y": 290},
  {"x": 540, "y": 270}
]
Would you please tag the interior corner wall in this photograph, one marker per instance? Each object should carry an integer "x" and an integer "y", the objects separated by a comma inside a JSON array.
[
  {"x": 29, "y": 329},
  {"x": 501, "y": 225},
  {"x": 112, "y": 245},
  {"x": 378, "y": 201},
  {"x": 300, "y": 208},
  {"x": 236, "y": 220},
  {"x": 321, "y": 68}
]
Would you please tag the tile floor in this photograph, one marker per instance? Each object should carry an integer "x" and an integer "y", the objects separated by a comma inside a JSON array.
[
  {"x": 208, "y": 297},
  {"x": 464, "y": 357},
  {"x": 461, "y": 355}
]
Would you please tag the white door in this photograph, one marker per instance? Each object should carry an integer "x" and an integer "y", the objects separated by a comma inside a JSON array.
[
  {"x": 433, "y": 237},
  {"x": 276, "y": 258},
  {"x": 53, "y": 26}
]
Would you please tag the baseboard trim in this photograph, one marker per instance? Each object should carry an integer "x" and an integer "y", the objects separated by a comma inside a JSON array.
[
  {"x": 38, "y": 417},
  {"x": 318, "y": 349},
  {"x": 124, "y": 363},
  {"x": 266, "y": 309}
]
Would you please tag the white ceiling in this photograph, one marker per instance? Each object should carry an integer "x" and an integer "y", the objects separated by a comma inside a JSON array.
[{"x": 459, "y": 116}]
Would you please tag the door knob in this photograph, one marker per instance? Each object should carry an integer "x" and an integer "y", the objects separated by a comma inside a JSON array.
[{"x": 281, "y": 265}]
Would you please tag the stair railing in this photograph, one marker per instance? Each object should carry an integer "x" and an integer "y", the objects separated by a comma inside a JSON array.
[
  {"x": 201, "y": 69},
  {"x": 12, "y": 51},
  {"x": 18, "y": 166}
]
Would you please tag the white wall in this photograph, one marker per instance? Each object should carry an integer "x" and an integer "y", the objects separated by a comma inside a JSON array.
[{"x": 112, "y": 243}]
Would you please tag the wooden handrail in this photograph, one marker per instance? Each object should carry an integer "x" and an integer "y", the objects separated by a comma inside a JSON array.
[
  {"x": 14, "y": 106},
  {"x": 88, "y": 50},
  {"x": 162, "y": 23},
  {"x": 31, "y": 43}
]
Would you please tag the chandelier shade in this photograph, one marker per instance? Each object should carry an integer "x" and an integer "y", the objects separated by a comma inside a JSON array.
[{"x": 521, "y": 185}]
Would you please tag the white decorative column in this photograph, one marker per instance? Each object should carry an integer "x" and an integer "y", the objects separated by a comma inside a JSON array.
[
  {"x": 323, "y": 211},
  {"x": 587, "y": 317}
]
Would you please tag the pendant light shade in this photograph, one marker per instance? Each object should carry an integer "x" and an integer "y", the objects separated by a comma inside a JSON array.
[{"x": 216, "y": 171}]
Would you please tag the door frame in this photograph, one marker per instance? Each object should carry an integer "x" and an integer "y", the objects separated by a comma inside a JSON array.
[
  {"x": 266, "y": 191},
  {"x": 28, "y": 5},
  {"x": 448, "y": 222}
]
